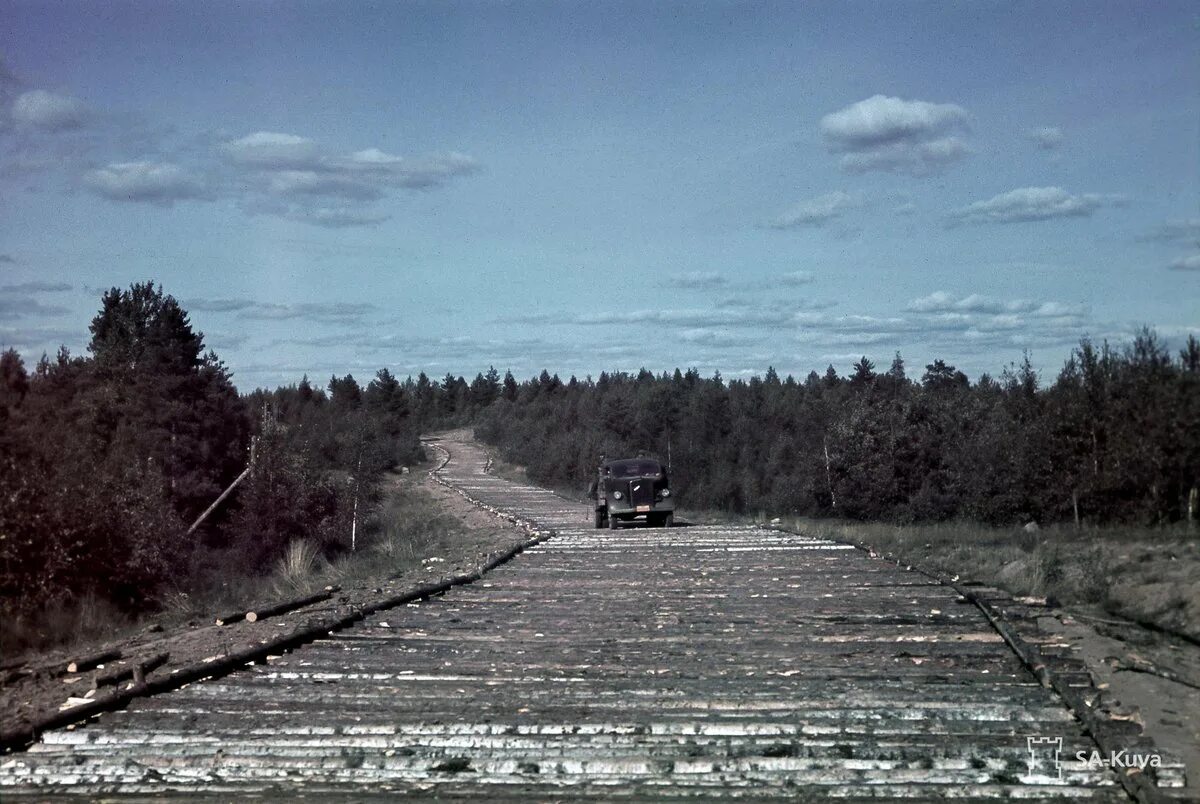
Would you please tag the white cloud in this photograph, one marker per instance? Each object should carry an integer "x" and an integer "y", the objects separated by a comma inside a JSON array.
[
  {"x": 974, "y": 321},
  {"x": 739, "y": 314},
  {"x": 218, "y": 305},
  {"x": 697, "y": 280},
  {"x": 36, "y": 287},
  {"x": 293, "y": 177},
  {"x": 881, "y": 120},
  {"x": 150, "y": 182},
  {"x": 328, "y": 312},
  {"x": 298, "y": 164},
  {"x": 796, "y": 278},
  {"x": 774, "y": 301},
  {"x": 272, "y": 151},
  {"x": 1188, "y": 263},
  {"x": 324, "y": 312},
  {"x": 1048, "y": 138},
  {"x": 336, "y": 217},
  {"x": 716, "y": 337},
  {"x": 48, "y": 111},
  {"x": 1028, "y": 204},
  {"x": 12, "y": 306},
  {"x": 943, "y": 302},
  {"x": 895, "y": 135},
  {"x": 35, "y": 339},
  {"x": 371, "y": 157},
  {"x": 1176, "y": 231},
  {"x": 816, "y": 211},
  {"x": 921, "y": 159},
  {"x": 415, "y": 173},
  {"x": 693, "y": 319},
  {"x": 311, "y": 182}
]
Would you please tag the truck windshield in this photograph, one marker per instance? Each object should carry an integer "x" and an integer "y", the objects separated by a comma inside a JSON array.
[{"x": 635, "y": 468}]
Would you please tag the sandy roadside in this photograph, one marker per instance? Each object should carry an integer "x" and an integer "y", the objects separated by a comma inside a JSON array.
[{"x": 1123, "y": 658}]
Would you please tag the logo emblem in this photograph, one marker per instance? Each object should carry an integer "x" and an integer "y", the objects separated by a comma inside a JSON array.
[{"x": 1044, "y": 755}]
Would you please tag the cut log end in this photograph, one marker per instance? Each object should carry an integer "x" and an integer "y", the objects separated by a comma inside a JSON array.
[{"x": 91, "y": 662}]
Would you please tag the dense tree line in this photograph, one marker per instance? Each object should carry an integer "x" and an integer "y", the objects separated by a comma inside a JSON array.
[
  {"x": 1116, "y": 437},
  {"x": 106, "y": 459}
]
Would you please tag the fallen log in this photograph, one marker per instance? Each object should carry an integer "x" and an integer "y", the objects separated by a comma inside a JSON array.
[
  {"x": 286, "y": 606},
  {"x": 93, "y": 661},
  {"x": 253, "y": 615},
  {"x": 231, "y": 617},
  {"x": 136, "y": 673}
]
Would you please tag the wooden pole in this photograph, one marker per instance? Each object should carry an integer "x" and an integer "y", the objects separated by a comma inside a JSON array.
[
  {"x": 354, "y": 516},
  {"x": 226, "y": 492},
  {"x": 829, "y": 474},
  {"x": 1192, "y": 505},
  {"x": 1075, "y": 505}
]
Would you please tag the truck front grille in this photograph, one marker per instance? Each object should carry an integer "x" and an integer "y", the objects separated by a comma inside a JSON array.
[{"x": 641, "y": 492}]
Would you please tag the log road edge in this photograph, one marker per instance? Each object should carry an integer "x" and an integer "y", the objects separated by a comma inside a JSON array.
[{"x": 707, "y": 662}]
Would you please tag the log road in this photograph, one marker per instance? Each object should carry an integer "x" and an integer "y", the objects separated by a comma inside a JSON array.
[{"x": 707, "y": 661}]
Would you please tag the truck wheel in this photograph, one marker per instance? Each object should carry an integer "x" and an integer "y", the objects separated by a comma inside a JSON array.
[
  {"x": 667, "y": 520},
  {"x": 612, "y": 522}
]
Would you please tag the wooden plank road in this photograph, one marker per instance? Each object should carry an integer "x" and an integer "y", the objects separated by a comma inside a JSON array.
[{"x": 706, "y": 661}]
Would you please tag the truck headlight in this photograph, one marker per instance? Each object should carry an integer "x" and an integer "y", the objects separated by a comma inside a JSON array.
[
  {"x": 666, "y": 492},
  {"x": 616, "y": 495}
]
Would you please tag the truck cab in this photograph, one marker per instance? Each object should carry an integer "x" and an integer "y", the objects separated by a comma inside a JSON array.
[{"x": 631, "y": 490}]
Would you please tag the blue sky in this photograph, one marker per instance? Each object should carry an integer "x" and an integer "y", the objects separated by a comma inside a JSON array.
[{"x": 443, "y": 186}]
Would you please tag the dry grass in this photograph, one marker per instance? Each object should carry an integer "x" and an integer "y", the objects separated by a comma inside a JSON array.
[
  {"x": 411, "y": 527},
  {"x": 294, "y": 574}
]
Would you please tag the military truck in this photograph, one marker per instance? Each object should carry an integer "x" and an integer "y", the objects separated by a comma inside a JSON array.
[{"x": 633, "y": 489}]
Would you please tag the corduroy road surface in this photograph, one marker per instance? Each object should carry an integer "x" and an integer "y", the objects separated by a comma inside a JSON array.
[{"x": 707, "y": 661}]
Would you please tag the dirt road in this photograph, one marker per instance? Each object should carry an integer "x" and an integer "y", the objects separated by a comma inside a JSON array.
[{"x": 706, "y": 661}]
